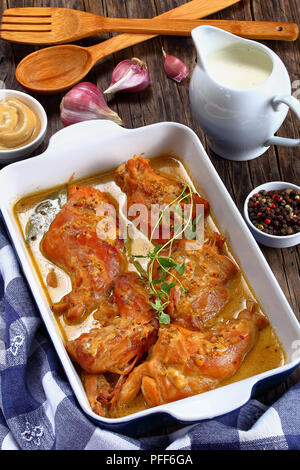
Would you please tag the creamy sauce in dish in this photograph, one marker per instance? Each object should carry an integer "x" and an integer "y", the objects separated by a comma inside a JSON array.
[
  {"x": 19, "y": 125},
  {"x": 239, "y": 67},
  {"x": 266, "y": 354}
]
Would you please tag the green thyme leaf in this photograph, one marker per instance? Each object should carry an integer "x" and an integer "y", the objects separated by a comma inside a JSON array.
[
  {"x": 196, "y": 220},
  {"x": 166, "y": 288},
  {"x": 157, "y": 305},
  {"x": 180, "y": 269},
  {"x": 164, "y": 319},
  {"x": 166, "y": 264}
]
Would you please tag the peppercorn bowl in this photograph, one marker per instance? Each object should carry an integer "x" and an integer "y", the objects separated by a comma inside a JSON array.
[{"x": 273, "y": 230}]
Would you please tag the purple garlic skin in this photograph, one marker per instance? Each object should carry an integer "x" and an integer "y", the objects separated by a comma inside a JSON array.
[
  {"x": 175, "y": 68},
  {"x": 85, "y": 102},
  {"x": 129, "y": 76}
]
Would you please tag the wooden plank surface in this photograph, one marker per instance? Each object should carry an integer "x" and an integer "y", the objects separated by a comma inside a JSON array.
[{"x": 167, "y": 101}]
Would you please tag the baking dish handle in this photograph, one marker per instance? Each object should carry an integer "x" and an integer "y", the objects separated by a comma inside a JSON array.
[{"x": 84, "y": 130}]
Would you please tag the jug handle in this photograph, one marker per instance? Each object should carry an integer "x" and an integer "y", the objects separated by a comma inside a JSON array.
[{"x": 294, "y": 104}]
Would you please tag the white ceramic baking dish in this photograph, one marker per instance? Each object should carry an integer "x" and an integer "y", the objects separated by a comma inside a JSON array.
[{"x": 96, "y": 146}]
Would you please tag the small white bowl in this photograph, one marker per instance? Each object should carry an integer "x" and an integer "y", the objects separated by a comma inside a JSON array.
[
  {"x": 12, "y": 155},
  {"x": 273, "y": 241}
]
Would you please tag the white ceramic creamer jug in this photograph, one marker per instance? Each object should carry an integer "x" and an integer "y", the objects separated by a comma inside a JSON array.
[{"x": 240, "y": 93}]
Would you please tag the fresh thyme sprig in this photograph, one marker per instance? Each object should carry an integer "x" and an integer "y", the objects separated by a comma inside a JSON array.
[{"x": 167, "y": 265}]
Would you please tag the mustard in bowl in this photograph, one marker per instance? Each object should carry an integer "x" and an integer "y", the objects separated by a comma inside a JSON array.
[{"x": 23, "y": 124}]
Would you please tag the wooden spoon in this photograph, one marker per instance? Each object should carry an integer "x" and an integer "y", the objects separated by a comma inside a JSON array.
[{"x": 58, "y": 68}]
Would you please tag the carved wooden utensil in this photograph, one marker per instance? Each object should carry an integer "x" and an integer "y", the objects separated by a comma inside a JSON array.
[
  {"x": 43, "y": 25},
  {"x": 58, "y": 68}
]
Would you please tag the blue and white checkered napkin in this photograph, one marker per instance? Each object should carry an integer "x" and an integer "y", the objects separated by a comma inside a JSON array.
[{"x": 38, "y": 410}]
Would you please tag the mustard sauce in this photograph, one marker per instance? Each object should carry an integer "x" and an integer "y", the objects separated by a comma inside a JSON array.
[{"x": 19, "y": 125}]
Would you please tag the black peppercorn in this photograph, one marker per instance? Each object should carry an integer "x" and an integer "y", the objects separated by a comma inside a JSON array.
[{"x": 276, "y": 212}]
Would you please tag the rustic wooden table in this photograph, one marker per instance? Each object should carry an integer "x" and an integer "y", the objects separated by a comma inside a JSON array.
[{"x": 164, "y": 100}]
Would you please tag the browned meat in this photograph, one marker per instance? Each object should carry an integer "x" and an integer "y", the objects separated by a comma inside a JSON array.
[
  {"x": 101, "y": 390},
  {"x": 205, "y": 279},
  {"x": 117, "y": 346},
  {"x": 75, "y": 241},
  {"x": 184, "y": 362},
  {"x": 148, "y": 187}
]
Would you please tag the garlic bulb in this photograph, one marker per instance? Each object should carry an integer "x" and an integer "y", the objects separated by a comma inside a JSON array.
[
  {"x": 175, "y": 68},
  {"x": 85, "y": 102},
  {"x": 130, "y": 76}
]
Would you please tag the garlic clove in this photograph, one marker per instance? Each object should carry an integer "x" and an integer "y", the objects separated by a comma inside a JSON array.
[
  {"x": 174, "y": 67},
  {"x": 129, "y": 76},
  {"x": 85, "y": 102}
]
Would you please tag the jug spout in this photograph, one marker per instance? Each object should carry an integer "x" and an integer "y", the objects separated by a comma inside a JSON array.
[{"x": 209, "y": 39}]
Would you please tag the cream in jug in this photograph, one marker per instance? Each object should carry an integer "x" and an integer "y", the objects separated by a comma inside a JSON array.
[
  {"x": 236, "y": 91},
  {"x": 239, "y": 67}
]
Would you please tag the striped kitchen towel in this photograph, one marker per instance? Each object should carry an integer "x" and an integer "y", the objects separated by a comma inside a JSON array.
[{"x": 38, "y": 410}]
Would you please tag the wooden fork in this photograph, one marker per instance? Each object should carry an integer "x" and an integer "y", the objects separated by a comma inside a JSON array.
[{"x": 43, "y": 25}]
